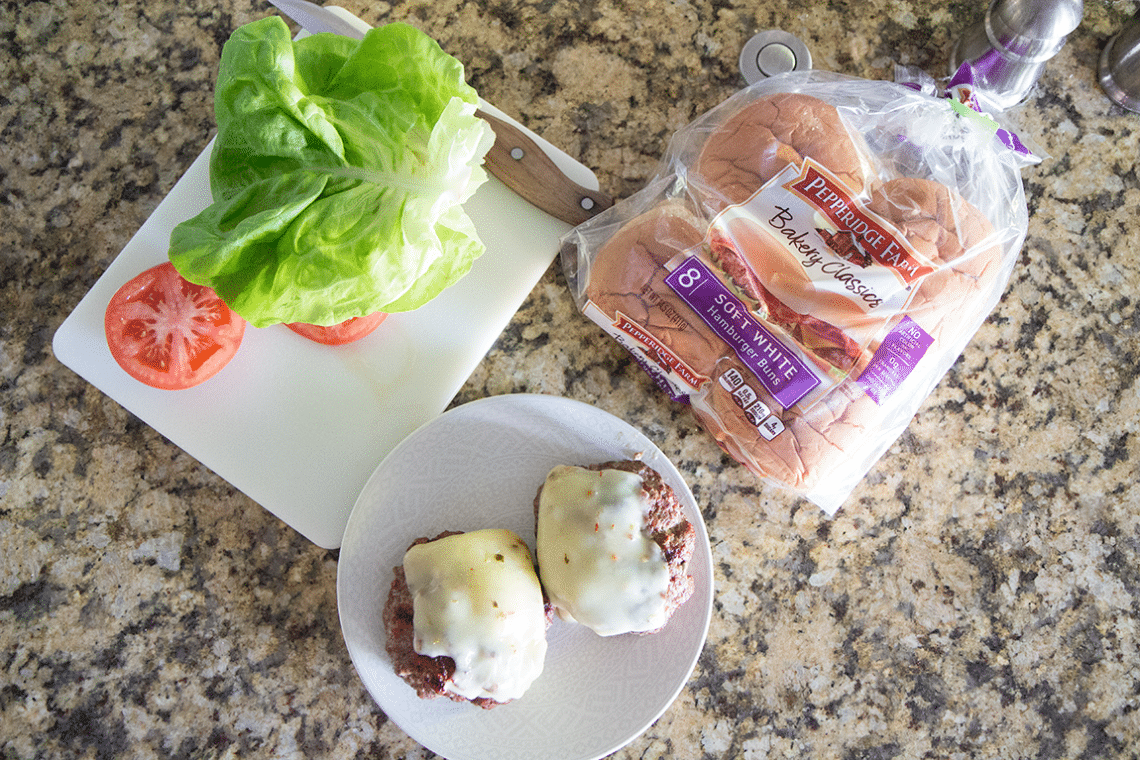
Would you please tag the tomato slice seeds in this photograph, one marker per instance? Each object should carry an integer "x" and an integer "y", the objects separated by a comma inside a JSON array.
[{"x": 170, "y": 333}]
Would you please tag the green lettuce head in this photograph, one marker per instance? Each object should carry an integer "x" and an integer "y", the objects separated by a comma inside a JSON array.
[{"x": 338, "y": 176}]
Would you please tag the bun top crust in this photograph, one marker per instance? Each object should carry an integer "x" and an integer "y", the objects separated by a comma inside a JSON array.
[
  {"x": 955, "y": 235},
  {"x": 937, "y": 221},
  {"x": 817, "y": 439},
  {"x": 768, "y": 135},
  {"x": 847, "y": 291},
  {"x": 647, "y": 242},
  {"x": 628, "y": 275}
]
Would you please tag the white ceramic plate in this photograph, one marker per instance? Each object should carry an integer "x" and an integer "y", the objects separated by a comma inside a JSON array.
[{"x": 479, "y": 466}]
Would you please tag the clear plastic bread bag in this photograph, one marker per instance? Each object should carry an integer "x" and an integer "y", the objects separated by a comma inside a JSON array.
[{"x": 810, "y": 259}]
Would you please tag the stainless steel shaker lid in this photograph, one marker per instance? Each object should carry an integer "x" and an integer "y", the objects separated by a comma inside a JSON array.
[
  {"x": 1032, "y": 30},
  {"x": 1009, "y": 48},
  {"x": 1120, "y": 66},
  {"x": 773, "y": 52}
]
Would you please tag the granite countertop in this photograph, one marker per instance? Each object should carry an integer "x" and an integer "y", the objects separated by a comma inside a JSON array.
[{"x": 977, "y": 596}]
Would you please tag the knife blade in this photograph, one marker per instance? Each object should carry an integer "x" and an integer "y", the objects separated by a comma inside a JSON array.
[{"x": 514, "y": 159}]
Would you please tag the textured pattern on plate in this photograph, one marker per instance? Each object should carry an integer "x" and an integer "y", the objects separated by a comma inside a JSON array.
[{"x": 479, "y": 466}]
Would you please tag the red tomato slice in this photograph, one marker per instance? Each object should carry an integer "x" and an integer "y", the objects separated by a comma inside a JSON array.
[
  {"x": 339, "y": 334},
  {"x": 170, "y": 333}
]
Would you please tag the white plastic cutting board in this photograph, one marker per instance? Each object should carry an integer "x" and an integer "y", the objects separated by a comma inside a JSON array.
[{"x": 299, "y": 427}]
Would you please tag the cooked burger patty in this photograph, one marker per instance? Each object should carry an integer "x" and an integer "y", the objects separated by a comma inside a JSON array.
[
  {"x": 429, "y": 676},
  {"x": 664, "y": 522}
]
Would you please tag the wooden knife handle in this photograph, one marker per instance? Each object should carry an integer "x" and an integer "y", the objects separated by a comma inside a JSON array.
[{"x": 520, "y": 164}]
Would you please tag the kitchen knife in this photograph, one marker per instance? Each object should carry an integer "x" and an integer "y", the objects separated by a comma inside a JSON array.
[{"x": 515, "y": 159}]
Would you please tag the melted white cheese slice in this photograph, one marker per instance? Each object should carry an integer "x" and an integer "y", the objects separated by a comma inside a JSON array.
[
  {"x": 598, "y": 564},
  {"x": 477, "y": 600}
]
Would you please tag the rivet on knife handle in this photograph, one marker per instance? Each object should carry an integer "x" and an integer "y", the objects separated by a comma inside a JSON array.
[{"x": 520, "y": 164}]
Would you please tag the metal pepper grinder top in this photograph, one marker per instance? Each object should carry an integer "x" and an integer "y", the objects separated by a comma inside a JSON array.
[
  {"x": 1120, "y": 66},
  {"x": 1010, "y": 46}
]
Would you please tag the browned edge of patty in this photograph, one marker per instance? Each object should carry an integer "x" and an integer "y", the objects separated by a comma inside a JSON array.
[
  {"x": 666, "y": 524},
  {"x": 427, "y": 675}
]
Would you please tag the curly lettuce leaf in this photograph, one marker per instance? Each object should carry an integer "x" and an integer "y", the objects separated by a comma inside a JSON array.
[{"x": 337, "y": 176}]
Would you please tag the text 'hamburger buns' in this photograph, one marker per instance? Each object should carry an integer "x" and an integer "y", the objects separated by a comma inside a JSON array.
[
  {"x": 628, "y": 277},
  {"x": 809, "y": 258}
]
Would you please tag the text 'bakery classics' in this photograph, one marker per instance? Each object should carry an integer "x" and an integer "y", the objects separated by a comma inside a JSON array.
[
  {"x": 877, "y": 238},
  {"x": 809, "y": 261}
]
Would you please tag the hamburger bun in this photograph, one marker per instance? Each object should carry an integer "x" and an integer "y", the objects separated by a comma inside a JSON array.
[
  {"x": 810, "y": 443},
  {"x": 767, "y": 135},
  {"x": 628, "y": 274},
  {"x": 832, "y": 431},
  {"x": 877, "y": 326},
  {"x": 953, "y": 234}
]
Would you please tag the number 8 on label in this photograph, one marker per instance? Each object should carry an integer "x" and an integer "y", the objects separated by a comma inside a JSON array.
[{"x": 689, "y": 277}]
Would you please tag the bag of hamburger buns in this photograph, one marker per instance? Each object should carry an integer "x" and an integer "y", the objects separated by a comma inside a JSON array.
[{"x": 810, "y": 259}]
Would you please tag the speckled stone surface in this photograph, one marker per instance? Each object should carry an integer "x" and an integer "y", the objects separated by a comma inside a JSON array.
[{"x": 977, "y": 597}]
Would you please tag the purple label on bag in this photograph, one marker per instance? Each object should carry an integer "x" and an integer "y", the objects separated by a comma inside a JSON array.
[
  {"x": 895, "y": 359},
  {"x": 778, "y": 368}
]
